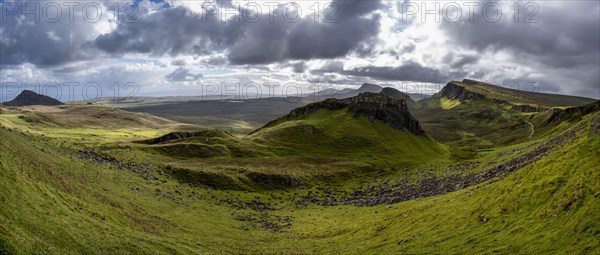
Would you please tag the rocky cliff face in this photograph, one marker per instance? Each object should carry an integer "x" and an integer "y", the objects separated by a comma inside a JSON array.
[
  {"x": 375, "y": 106},
  {"x": 457, "y": 92},
  {"x": 573, "y": 113},
  {"x": 28, "y": 97}
]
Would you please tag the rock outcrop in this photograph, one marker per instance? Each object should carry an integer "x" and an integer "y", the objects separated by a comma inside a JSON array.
[
  {"x": 206, "y": 135},
  {"x": 375, "y": 106},
  {"x": 28, "y": 97},
  {"x": 172, "y": 136},
  {"x": 573, "y": 113},
  {"x": 528, "y": 108}
]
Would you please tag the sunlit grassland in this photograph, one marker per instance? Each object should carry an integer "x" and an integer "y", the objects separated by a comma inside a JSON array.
[{"x": 55, "y": 203}]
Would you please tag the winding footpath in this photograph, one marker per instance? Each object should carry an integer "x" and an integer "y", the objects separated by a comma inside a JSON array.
[{"x": 532, "y": 129}]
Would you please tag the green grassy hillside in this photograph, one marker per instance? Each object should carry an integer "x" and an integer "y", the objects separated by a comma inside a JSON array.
[
  {"x": 350, "y": 177},
  {"x": 520, "y": 96},
  {"x": 57, "y": 200},
  {"x": 339, "y": 133},
  {"x": 480, "y": 123},
  {"x": 480, "y": 115}
]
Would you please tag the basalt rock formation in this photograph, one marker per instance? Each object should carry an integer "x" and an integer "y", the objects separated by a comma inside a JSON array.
[
  {"x": 375, "y": 106},
  {"x": 573, "y": 113}
]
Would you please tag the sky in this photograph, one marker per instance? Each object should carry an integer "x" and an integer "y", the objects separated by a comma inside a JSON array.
[{"x": 88, "y": 49}]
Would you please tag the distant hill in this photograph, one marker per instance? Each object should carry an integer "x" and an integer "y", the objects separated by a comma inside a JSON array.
[
  {"x": 28, "y": 97},
  {"x": 345, "y": 93},
  {"x": 369, "y": 87},
  {"x": 366, "y": 87},
  {"x": 471, "y": 89}
]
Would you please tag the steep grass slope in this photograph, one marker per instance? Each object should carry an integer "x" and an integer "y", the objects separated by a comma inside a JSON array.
[
  {"x": 481, "y": 115},
  {"x": 369, "y": 125},
  {"x": 521, "y": 96},
  {"x": 339, "y": 133},
  {"x": 53, "y": 202},
  {"x": 480, "y": 123}
]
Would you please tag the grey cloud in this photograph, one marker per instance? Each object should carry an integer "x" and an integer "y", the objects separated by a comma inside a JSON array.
[
  {"x": 330, "y": 67},
  {"x": 42, "y": 43},
  {"x": 178, "y": 62},
  {"x": 182, "y": 74},
  {"x": 171, "y": 31},
  {"x": 409, "y": 71},
  {"x": 551, "y": 36},
  {"x": 563, "y": 44},
  {"x": 461, "y": 60},
  {"x": 216, "y": 60},
  {"x": 299, "y": 67},
  {"x": 177, "y": 31},
  {"x": 408, "y": 47}
]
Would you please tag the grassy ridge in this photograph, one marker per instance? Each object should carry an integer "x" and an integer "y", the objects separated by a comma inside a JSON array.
[{"x": 524, "y": 94}]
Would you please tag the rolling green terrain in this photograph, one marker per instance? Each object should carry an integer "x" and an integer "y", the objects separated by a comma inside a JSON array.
[
  {"x": 355, "y": 176},
  {"x": 474, "y": 114}
]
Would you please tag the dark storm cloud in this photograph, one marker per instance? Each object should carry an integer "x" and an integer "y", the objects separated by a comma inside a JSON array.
[
  {"x": 179, "y": 31},
  {"x": 171, "y": 31},
  {"x": 43, "y": 43},
  {"x": 564, "y": 41},
  {"x": 568, "y": 34},
  {"x": 298, "y": 67},
  {"x": 409, "y": 71}
]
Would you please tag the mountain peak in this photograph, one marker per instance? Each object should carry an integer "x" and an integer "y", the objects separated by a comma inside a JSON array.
[
  {"x": 369, "y": 87},
  {"x": 28, "y": 97}
]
